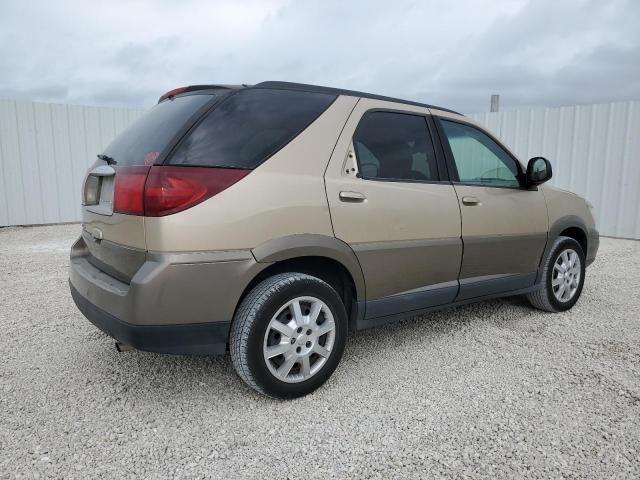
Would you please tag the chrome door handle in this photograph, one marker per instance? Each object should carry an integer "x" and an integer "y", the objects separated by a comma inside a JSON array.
[
  {"x": 471, "y": 201},
  {"x": 352, "y": 196}
]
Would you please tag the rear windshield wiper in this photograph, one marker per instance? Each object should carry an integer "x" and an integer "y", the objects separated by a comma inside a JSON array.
[{"x": 106, "y": 158}]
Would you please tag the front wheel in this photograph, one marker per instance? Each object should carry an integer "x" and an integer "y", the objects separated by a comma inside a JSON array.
[
  {"x": 288, "y": 335},
  {"x": 562, "y": 277}
]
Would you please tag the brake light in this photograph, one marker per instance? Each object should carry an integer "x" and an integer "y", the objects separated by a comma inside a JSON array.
[
  {"x": 163, "y": 190},
  {"x": 173, "y": 93}
]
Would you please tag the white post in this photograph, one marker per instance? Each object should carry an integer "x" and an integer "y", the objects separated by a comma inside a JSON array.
[{"x": 495, "y": 103}]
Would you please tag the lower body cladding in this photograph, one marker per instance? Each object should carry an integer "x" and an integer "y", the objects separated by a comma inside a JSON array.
[
  {"x": 448, "y": 270},
  {"x": 175, "y": 303},
  {"x": 444, "y": 295},
  {"x": 183, "y": 303}
]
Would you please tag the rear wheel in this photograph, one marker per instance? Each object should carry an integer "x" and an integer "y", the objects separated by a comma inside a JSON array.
[
  {"x": 288, "y": 335},
  {"x": 562, "y": 277}
]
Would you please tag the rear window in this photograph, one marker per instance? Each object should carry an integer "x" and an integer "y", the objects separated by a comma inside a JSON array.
[
  {"x": 143, "y": 141},
  {"x": 249, "y": 127}
]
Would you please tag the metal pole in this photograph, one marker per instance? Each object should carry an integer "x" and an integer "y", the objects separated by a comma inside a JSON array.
[{"x": 495, "y": 103}]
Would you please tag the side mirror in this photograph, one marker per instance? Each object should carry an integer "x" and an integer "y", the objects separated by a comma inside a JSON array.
[{"x": 538, "y": 171}]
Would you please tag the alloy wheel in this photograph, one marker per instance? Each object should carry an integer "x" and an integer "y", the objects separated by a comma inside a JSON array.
[
  {"x": 565, "y": 279},
  {"x": 299, "y": 339}
]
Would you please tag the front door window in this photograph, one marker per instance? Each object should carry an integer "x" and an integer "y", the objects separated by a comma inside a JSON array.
[{"x": 479, "y": 160}]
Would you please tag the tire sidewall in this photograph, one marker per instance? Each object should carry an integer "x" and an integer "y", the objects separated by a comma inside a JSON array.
[
  {"x": 308, "y": 286},
  {"x": 562, "y": 245}
]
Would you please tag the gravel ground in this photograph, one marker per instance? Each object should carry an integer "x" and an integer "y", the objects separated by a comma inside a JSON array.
[{"x": 495, "y": 390}]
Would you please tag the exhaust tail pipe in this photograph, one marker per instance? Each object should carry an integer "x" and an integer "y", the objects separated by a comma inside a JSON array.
[{"x": 121, "y": 347}]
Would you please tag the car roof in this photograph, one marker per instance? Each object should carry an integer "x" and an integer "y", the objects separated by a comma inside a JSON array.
[{"x": 309, "y": 88}]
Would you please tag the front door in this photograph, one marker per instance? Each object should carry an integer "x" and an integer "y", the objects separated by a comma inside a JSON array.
[
  {"x": 388, "y": 202},
  {"x": 504, "y": 224}
]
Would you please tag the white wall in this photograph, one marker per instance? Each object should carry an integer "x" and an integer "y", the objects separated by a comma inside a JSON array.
[
  {"x": 45, "y": 150},
  {"x": 594, "y": 150}
]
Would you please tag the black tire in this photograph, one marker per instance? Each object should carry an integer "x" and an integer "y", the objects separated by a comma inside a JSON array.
[
  {"x": 251, "y": 321},
  {"x": 544, "y": 298}
]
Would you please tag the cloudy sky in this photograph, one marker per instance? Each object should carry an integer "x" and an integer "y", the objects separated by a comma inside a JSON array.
[{"x": 454, "y": 53}]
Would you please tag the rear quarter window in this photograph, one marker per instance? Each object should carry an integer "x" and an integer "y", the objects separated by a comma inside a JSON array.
[{"x": 250, "y": 126}]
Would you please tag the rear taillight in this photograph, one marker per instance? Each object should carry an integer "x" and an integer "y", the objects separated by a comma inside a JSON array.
[
  {"x": 163, "y": 190},
  {"x": 173, "y": 189},
  {"x": 128, "y": 193}
]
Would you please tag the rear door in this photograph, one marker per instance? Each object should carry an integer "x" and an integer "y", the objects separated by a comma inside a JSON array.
[
  {"x": 389, "y": 201},
  {"x": 504, "y": 224},
  {"x": 114, "y": 225}
]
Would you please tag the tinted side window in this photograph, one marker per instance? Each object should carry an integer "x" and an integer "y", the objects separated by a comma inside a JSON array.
[
  {"x": 395, "y": 146},
  {"x": 250, "y": 126},
  {"x": 478, "y": 158}
]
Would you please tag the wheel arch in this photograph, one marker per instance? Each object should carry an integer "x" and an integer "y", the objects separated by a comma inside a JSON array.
[
  {"x": 569, "y": 226},
  {"x": 578, "y": 234},
  {"x": 325, "y": 257}
]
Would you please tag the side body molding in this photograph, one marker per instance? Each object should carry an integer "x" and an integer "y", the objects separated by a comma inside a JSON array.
[{"x": 313, "y": 245}]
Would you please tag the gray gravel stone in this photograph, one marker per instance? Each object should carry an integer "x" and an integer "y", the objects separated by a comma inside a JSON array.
[{"x": 495, "y": 390}]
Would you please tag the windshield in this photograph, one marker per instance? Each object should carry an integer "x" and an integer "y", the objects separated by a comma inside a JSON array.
[{"x": 142, "y": 142}]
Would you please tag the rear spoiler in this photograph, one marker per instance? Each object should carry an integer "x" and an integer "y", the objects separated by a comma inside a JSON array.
[{"x": 193, "y": 88}]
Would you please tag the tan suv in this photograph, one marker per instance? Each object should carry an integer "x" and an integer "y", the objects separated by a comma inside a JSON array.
[{"x": 270, "y": 220}]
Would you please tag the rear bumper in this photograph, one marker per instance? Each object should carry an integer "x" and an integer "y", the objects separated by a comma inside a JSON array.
[
  {"x": 192, "y": 339},
  {"x": 174, "y": 303}
]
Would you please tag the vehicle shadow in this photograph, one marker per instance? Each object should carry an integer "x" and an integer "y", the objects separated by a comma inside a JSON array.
[{"x": 157, "y": 378}]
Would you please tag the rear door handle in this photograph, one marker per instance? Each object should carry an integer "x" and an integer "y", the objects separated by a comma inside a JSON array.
[
  {"x": 471, "y": 201},
  {"x": 352, "y": 196}
]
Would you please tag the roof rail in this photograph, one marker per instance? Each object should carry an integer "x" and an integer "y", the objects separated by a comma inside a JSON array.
[{"x": 338, "y": 91}]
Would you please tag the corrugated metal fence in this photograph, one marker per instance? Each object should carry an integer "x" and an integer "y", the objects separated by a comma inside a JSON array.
[
  {"x": 45, "y": 150},
  {"x": 594, "y": 150}
]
